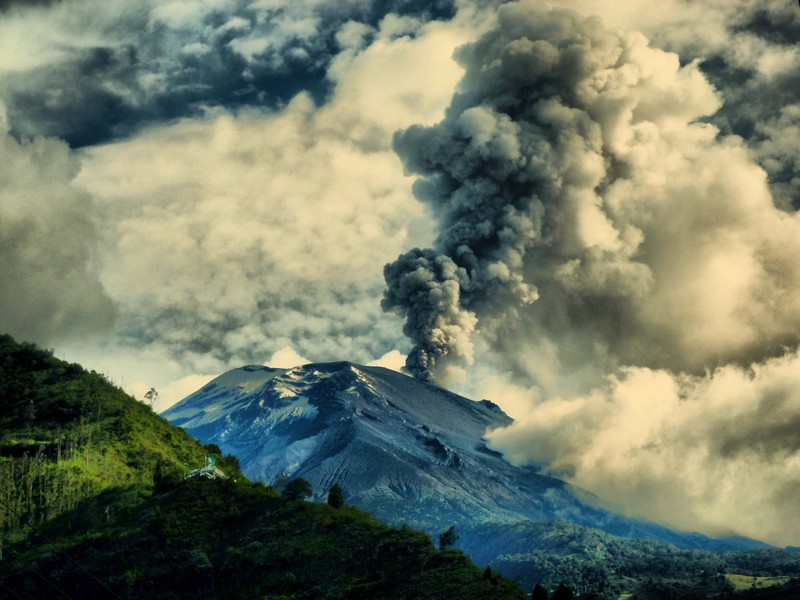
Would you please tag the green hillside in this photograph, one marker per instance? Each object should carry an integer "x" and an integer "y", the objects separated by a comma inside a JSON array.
[
  {"x": 67, "y": 434},
  {"x": 93, "y": 505},
  {"x": 219, "y": 539}
]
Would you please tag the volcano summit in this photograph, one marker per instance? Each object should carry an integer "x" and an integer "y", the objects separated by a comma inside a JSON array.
[{"x": 405, "y": 450}]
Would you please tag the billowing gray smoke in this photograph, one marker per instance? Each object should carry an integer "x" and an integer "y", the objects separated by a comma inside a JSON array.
[
  {"x": 428, "y": 285},
  {"x": 486, "y": 193},
  {"x": 578, "y": 163},
  {"x": 515, "y": 150},
  {"x": 586, "y": 216}
]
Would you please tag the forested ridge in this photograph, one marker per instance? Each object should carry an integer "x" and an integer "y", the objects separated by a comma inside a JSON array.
[
  {"x": 66, "y": 434},
  {"x": 590, "y": 560}
]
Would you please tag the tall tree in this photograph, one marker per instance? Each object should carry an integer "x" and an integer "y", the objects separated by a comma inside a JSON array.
[
  {"x": 297, "y": 489},
  {"x": 448, "y": 538},
  {"x": 539, "y": 593},
  {"x": 335, "y": 496},
  {"x": 151, "y": 396}
]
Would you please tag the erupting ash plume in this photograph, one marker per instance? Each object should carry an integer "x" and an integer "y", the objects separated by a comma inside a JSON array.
[
  {"x": 586, "y": 216},
  {"x": 428, "y": 285},
  {"x": 606, "y": 242}
]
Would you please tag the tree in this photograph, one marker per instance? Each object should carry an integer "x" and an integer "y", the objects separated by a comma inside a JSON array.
[
  {"x": 230, "y": 465},
  {"x": 151, "y": 396},
  {"x": 448, "y": 538},
  {"x": 296, "y": 489},
  {"x": 213, "y": 449},
  {"x": 166, "y": 475},
  {"x": 335, "y": 496},
  {"x": 539, "y": 593},
  {"x": 562, "y": 593}
]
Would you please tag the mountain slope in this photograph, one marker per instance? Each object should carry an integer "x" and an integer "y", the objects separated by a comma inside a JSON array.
[
  {"x": 413, "y": 453},
  {"x": 407, "y": 451},
  {"x": 220, "y": 539}
]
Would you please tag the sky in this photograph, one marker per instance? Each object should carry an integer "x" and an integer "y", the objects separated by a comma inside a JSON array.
[{"x": 583, "y": 210}]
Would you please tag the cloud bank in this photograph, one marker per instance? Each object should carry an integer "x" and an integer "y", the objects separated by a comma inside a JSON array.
[
  {"x": 593, "y": 219},
  {"x": 603, "y": 239},
  {"x": 88, "y": 71},
  {"x": 718, "y": 454},
  {"x": 749, "y": 52},
  {"x": 49, "y": 285},
  {"x": 752, "y": 57},
  {"x": 232, "y": 236}
]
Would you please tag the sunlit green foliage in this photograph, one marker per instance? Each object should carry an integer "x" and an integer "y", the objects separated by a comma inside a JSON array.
[{"x": 67, "y": 434}]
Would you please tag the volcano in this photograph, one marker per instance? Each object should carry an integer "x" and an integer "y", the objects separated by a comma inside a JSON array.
[{"x": 405, "y": 450}]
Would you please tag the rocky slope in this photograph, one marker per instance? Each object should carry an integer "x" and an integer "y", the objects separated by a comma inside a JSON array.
[{"x": 407, "y": 451}]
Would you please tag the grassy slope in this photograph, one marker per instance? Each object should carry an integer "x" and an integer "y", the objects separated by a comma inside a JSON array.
[
  {"x": 67, "y": 434},
  {"x": 91, "y": 489}
]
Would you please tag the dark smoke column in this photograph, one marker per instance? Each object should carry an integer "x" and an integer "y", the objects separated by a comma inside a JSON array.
[
  {"x": 426, "y": 288},
  {"x": 473, "y": 173},
  {"x": 555, "y": 217},
  {"x": 499, "y": 170}
]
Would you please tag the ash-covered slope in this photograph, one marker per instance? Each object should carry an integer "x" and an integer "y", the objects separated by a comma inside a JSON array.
[{"x": 407, "y": 451}]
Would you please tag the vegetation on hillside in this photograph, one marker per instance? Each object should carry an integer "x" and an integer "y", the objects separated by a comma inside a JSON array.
[
  {"x": 591, "y": 561},
  {"x": 67, "y": 434},
  {"x": 220, "y": 539},
  {"x": 93, "y": 504}
]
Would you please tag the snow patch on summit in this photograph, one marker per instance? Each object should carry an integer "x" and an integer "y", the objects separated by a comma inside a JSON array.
[
  {"x": 298, "y": 408},
  {"x": 245, "y": 380},
  {"x": 297, "y": 380},
  {"x": 221, "y": 396}
]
